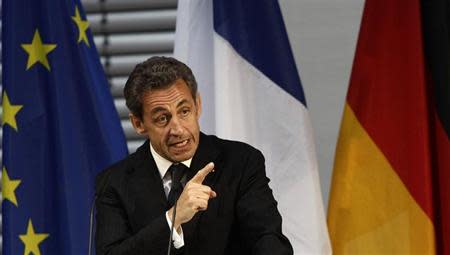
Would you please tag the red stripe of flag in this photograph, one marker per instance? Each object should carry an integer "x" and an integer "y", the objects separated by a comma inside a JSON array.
[{"x": 389, "y": 62}]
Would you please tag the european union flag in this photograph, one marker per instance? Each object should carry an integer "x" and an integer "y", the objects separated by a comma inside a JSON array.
[{"x": 60, "y": 127}]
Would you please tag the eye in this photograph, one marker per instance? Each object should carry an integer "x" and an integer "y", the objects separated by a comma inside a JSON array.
[
  {"x": 162, "y": 120},
  {"x": 185, "y": 112}
]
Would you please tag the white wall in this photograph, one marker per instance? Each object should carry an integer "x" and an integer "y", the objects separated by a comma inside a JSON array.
[{"x": 323, "y": 36}]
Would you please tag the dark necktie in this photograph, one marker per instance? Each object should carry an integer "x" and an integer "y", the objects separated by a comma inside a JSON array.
[{"x": 176, "y": 172}]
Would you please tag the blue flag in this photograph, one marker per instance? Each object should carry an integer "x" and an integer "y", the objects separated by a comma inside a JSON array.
[{"x": 60, "y": 127}]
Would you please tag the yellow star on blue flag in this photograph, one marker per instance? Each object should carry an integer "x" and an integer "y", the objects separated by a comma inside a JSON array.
[
  {"x": 31, "y": 240},
  {"x": 37, "y": 51},
  {"x": 82, "y": 26},
  {"x": 10, "y": 111},
  {"x": 9, "y": 187}
]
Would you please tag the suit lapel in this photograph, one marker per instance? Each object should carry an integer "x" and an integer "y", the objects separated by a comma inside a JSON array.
[
  {"x": 206, "y": 152},
  {"x": 145, "y": 187}
]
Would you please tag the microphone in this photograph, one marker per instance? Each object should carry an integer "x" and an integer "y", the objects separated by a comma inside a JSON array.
[{"x": 91, "y": 212}]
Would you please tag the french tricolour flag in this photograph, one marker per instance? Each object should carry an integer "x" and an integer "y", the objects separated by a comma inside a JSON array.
[{"x": 251, "y": 91}]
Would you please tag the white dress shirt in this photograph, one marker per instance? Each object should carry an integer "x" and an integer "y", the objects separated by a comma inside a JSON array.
[{"x": 163, "y": 165}]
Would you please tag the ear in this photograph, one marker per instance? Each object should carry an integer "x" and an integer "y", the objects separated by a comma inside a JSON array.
[
  {"x": 198, "y": 102},
  {"x": 138, "y": 124}
]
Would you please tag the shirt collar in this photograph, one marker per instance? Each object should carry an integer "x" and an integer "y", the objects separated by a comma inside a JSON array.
[{"x": 163, "y": 164}]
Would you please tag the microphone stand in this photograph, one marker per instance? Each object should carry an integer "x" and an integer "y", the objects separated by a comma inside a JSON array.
[
  {"x": 101, "y": 190},
  {"x": 91, "y": 225},
  {"x": 169, "y": 248}
]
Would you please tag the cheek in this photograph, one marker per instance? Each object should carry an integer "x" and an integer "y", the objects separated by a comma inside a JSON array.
[
  {"x": 192, "y": 125},
  {"x": 158, "y": 135}
]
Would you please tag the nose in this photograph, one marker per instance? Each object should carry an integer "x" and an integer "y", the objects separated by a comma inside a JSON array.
[{"x": 176, "y": 129}]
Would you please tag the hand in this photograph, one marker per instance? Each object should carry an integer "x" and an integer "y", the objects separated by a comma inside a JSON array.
[{"x": 194, "y": 197}]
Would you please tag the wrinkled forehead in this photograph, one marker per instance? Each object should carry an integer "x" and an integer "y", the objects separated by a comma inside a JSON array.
[{"x": 172, "y": 96}]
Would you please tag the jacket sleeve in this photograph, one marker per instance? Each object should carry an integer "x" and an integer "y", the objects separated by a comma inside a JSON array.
[{"x": 257, "y": 213}]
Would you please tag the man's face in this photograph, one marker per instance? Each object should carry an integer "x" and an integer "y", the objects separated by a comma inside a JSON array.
[{"x": 170, "y": 120}]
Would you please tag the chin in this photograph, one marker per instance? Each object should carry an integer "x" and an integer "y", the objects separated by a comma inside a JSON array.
[{"x": 179, "y": 157}]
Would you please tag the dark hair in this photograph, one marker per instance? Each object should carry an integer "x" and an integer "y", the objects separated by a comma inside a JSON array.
[{"x": 155, "y": 73}]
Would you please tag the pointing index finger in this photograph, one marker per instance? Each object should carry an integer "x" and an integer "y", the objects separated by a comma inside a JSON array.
[{"x": 201, "y": 174}]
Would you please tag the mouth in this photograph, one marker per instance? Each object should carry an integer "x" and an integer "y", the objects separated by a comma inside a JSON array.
[
  {"x": 181, "y": 149},
  {"x": 180, "y": 144}
]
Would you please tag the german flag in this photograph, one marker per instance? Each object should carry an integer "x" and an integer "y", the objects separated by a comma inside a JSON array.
[{"x": 391, "y": 183}]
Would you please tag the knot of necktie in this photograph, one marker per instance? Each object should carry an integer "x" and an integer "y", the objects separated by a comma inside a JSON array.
[{"x": 177, "y": 171}]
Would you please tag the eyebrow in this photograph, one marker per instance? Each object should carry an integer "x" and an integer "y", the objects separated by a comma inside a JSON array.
[
  {"x": 162, "y": 109},
  {"x": 157, "y": 110},
  {"x": 184, "y": 101}
]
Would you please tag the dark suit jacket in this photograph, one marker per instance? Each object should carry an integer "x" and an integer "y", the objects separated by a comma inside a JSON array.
[{"x": 242, "y": 219}]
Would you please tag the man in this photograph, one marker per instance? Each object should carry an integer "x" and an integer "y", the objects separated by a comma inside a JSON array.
[{"x": 225, "y": 205}]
